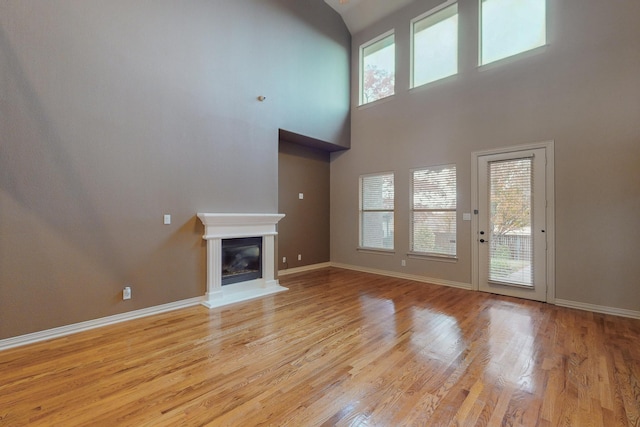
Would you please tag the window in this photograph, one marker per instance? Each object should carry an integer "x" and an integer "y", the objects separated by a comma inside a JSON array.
[
  {"x": 377, "y": 68},
  {"x": 433, "y": 211},
  {"x": 509, "y": 27},
  {"x": 435, "y": 45},
  {"x": 376, "y": 211}
]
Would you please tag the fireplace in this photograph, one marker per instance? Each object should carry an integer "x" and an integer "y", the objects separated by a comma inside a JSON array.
[
  {"x": 241, "y": 260},
  {"x": 239, "y": 234}
]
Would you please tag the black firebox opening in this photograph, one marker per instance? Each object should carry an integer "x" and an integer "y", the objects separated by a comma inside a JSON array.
[{"x": 241, "y": 259}]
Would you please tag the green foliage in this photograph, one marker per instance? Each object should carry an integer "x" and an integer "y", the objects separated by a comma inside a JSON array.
[
  {"x": 424, "y": 240},
  {"x": 500, "y": 260},
  {"x": 500, "y": 265},
  {"x": 502, "y": 252}
]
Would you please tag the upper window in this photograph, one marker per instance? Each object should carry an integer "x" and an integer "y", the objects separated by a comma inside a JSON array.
[
  {"x": 377, "y": 68},
  {"x": 433, "y": 210},
  {"x": 435, "y": 45},
  {"x": 376, "y": 211},
  {"x": 509, "y": 27}
]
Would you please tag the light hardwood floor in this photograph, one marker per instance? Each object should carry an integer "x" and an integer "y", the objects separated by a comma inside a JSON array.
[{"x": 339, "y": 348}]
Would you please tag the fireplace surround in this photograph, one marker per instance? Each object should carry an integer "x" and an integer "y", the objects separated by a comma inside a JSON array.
[{"x": 221, "y": 226}]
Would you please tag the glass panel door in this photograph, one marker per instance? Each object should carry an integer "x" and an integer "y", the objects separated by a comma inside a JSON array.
[
  {"x": 511, "y": 224},
  {"x": 510, "y": 241}
]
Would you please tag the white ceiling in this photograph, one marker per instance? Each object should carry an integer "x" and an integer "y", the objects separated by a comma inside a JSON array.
[{"x": 358, "y": 14}]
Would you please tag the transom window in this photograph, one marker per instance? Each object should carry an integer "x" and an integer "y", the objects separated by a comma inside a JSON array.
[
  {"x": 377, "y": 68},
  {"x": 433, "y": 211},
  {"x": 435, "y": 44},
  {"x": 510, "y": 27},
  {"x": 377, "y": 211}
]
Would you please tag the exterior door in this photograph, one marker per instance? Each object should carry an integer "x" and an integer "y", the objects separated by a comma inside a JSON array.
[{"x": 512, "y": 223}]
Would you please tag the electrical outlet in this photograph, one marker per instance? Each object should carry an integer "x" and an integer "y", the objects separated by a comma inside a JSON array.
[
  {"x": 284, "y": 259},
  {"x": 126, "y": 293},
  {"x": 403, "y": 263},
  {"x": 299, "y": 257}
]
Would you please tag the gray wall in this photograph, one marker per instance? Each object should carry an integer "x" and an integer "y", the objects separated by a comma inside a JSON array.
[
  {"x": 583, "y": 91},
  {"x": 305, "y": 228},
  {"x": 115, "y": 113}
]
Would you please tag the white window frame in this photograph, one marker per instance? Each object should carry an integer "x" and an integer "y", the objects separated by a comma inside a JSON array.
[
  {"x": 361, "y": 100},
  {"x": 361, "y": 211},
  {"x": 418, "y": 19},
  {"x": 526, "y": 52},
  {"x": 412, "y": 210}
]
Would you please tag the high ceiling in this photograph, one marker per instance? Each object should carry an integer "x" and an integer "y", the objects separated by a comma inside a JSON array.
[{"x": 358, "y": 14}]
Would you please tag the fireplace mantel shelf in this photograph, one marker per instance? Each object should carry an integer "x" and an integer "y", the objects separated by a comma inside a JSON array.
[
  {"x": 219, "y": 226},
  {"x": 230, "y": 226}
]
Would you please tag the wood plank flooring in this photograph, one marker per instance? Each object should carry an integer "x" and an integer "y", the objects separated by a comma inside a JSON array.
[{"x": 340, "y": 348}]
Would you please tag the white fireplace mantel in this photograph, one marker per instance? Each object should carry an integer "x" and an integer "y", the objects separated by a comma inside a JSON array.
[{"x": 219, "y": 226}]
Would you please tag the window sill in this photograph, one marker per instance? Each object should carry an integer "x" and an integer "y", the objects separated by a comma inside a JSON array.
[
  {"x": 376, "y": 251},
  {"x": 432, "y": 257},
  {"x": 442, "y": 81},
  {"x": 376, "y": 102},
  {"x": 507, "y": 60}
]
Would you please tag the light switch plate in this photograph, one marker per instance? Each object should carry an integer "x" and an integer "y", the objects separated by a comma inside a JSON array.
[
  {"x": 167, "y": 219},
  {"x": 466, "y": 216}
]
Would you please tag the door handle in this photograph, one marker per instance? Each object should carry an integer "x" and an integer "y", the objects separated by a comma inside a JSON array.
[{"x": 482, "y": 241}]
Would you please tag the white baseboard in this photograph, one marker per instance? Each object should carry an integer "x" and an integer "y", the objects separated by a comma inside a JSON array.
[
  {"x": 598, "y": 308},
  {"x": 397, "y": 275},
  {"x": 559, "y": 302},
  {"x": 303, "y": 268},
  {"x": 62, "y": 331},
  {"x": 93, "y": 324}
]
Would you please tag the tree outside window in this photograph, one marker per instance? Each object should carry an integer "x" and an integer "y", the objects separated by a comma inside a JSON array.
[{"x": 377, "y": 69}]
